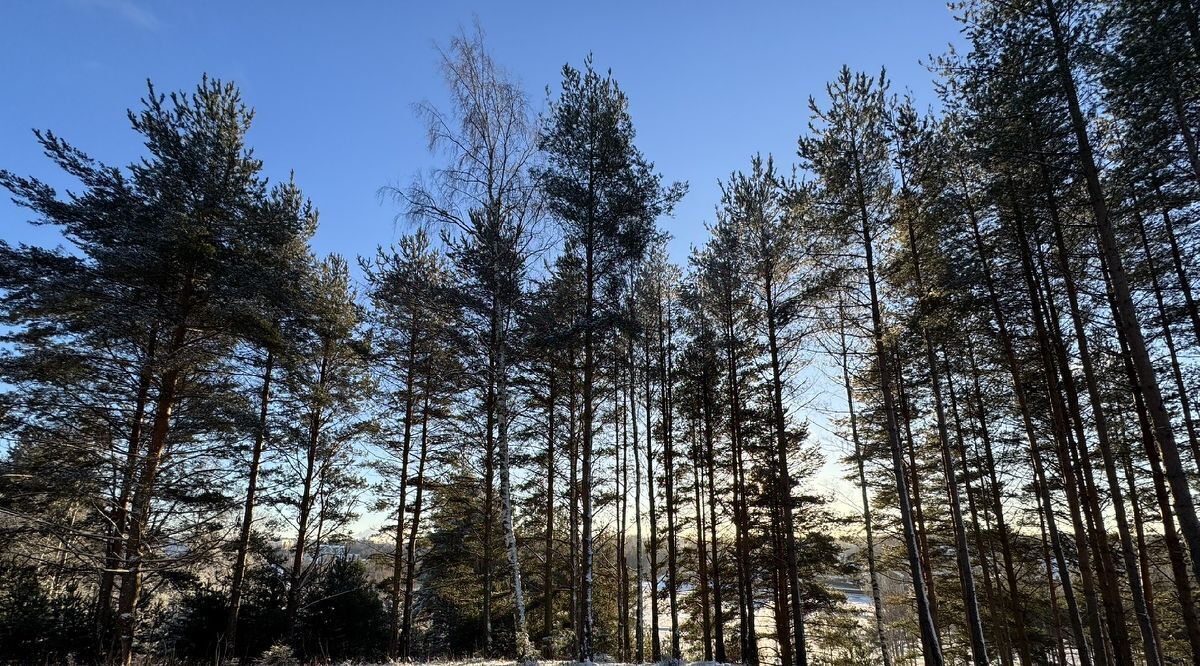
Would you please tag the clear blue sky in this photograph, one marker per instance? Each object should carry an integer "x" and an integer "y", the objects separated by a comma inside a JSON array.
[{"x": 333, "y": 83}]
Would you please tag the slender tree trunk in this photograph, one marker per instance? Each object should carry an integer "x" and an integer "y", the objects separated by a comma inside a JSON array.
[
  {"x": 742, "y": 516},
  {"x": 1181, "y": 276},
  {"x": 640, "y": 644},
  {"x": 1127, "y": 321},
  {"x": 1169, "y": 340},
  {"x": 994, "y": 499},
  {"x": 977, "y": 533},
  {"x": 573, "y": 493},
  {"x": 405, "y": 449},
  {"x": 548, "y": 564},
  {"x": 414, "y": 530},
  {"x": 784, "y": 476},
  {"x": 747, "y": 603},
  {"x": 1055, "y": 623},
  {"x": 915, "y": 475},
  {"x": 586, "y": 652},
  {"x": 931, "y": 648},
  {"x": 1173, "y": 89},
  {"x": 1182, "y": 121},
  {"x": 296, "y": 576},
  {"x": 667, "y": 353},
  {"x": 701, "y": 548},
  {"x": 143, "y": 494},
  {"x": 655, "y": 640},
  {"x": 715, "y": 573},
  {"x": 525, "y": 651},
  {"x": 1060, "y": 426},
  {"x": 1100, "y": 424},
  {"x": 1121, "y": 649},
  {"x": 962, "y": 554},
  {"x": 739, "y": 565},
  {"x": 914, "y": 479},
  {"x": 872, "y": 572},
  {"x": 622, "y": 481},
  {"x": 1175, "y": 549},
  {"x": 783, "y": 622},
  {"x": 115, "y": 548},
  {"x": 1016, "y": 606},
  {"x": 243, "y": 543},
  {"x": 1143, "y": 549},
  {"x": 1042, "y": 491},
  {"x": 489, "y": 499}
]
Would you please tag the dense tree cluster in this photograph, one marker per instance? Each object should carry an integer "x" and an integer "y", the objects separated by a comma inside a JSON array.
[{"x": 568, "y": 446}]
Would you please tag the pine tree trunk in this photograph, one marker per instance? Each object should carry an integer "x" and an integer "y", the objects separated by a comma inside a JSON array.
[
  {"x": 1016, "y": 608},
  {"x": 783, "y": 622},
  {"x": 784, "y": 477},
  {"x": 742, "y": 516},
  {"x": 114, "y": 557},
  {"x": 405, "y": 450},
  {"x": 1055, "y": 623},
  {"x": 1097, "y": 535},
  {"x": 243, "y": 543},
  {"x": 622, "y": 460},
  {"x": 1042, "y": 491},
  {"x": 655, "y": 640},
  {"x": 573, "y": 492},
  {"x": 1173, "y": 90},
  {"x": 1100, "y": 424},
  {"x": 548, "y": 564},
  {"x": 1143, "y": 548},
  {"x": 701, "y": 549},
  {"x": 931, "y": 648},
  {"x": 414, "y": 530},
  {"x": 666, "y": 353},
  {"x": 1175, "y": 550},
  {"x": 872, "y": 572},
  {"x": 1058, "y": 420},
  {"x": 749, "y": 631},
  {"x": 296, "y": 576},
  {"x": 914, "y": 478},
  {"x": 1169, "y": 340},
  {"x": 1185, "y": 284},
  {"x": 1127, "y": 321},
  {"x": 973, "y": 510},
  {"x": 143, "y": 494},
  {"x": 739, "y": 564},
  {"x": 639, "y": 592},
  {"x": 714, "y": 543},
  {"x": 586, "y": 651},
  {"x": 1181, "y": 119},
  {"x": 962, "y": 555}
]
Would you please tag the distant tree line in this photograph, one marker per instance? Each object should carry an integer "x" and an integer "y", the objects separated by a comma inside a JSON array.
[{"x": 570, "y": 447}]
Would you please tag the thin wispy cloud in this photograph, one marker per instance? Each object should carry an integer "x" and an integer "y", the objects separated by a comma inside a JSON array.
[{"x": 127, "y": 10}]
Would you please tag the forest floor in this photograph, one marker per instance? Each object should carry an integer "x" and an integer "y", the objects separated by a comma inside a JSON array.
[{"x": 601, "y": 661}]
